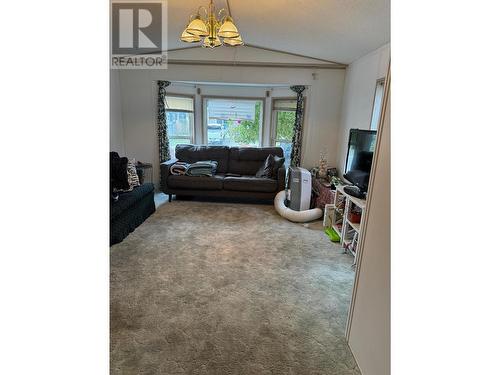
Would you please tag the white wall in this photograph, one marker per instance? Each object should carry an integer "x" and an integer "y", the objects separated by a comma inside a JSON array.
[
  {"x": 324, "y": 98},
  {"x": 369, "y": 334},
  {"x": 358, "y": 96},
  {"x": 244, "y": 53},
  {"x": 117, "y": 139}
]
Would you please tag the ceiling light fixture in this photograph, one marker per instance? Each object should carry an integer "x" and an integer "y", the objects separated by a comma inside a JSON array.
[{"x": 214, "y": 30}]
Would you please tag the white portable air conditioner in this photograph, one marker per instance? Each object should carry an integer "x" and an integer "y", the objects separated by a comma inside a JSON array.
[{"x": 299, "y": 183}]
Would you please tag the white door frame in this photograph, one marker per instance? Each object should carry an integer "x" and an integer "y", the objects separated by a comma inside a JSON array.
[{"x": 366, "y": 214}]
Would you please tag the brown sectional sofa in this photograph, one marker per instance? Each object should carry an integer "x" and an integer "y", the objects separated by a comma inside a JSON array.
[{"x": 235, "y": 175}]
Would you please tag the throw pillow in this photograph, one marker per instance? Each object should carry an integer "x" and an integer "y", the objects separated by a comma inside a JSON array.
[
  {"x": 278, "y": 163},
  {"x": 132, "y": 176},
  {"x": 119, "y": 175},
  {"x": 266, "y": 170}
]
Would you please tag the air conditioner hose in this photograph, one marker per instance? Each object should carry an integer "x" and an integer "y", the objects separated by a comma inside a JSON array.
[{"x": 292, "y": 215}]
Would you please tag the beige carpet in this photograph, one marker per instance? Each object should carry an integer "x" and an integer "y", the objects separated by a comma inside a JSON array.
[{"x": 227, "y": 288}]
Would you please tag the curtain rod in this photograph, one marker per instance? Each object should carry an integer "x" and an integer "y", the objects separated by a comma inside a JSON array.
[{"x": 194, "y": 85}]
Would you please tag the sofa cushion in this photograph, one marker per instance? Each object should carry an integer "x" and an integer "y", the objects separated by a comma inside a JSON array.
[
  {"x": 277, "y": 164},
  {"x": 130, "y": 198},
  {"x": 192, "y": 154},
  {"x": 248, "y": 160},
  {"x": 250, "y": 183},
  {"x": 266, "y": 170},
  {"x": 195, "y": 182}
]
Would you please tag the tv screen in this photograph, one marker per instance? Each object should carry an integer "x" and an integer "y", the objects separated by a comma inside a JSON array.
[{"x": 359, "y": 157}]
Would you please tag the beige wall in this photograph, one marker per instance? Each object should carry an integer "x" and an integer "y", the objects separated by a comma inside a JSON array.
[
  {"x": 359, "y": 92},
  {"x": 322, "y": 120},
  {"x": 117, "y": 140},
  {"x": 369, "y": 333}
]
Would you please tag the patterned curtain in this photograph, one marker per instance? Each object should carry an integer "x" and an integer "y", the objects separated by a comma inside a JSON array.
[
  {"x": 297, "y": 129},
  {"x": 163, "y": 143}
]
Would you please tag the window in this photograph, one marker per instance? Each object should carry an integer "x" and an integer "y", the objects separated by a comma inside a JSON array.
[
  {"x": 233, "y": 122},
  {"x": 283, "y": 123},
  {"x": 377, "y": 104},
  {"x": 180, "y": 120}
]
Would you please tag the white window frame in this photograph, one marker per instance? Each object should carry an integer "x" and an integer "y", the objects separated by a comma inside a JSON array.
[
  {"x": 274, "y": 117},
  {"x": 204, "y": 118},
  {"x": 192, "y": 127},
  {"x": 374, "y": 122}
]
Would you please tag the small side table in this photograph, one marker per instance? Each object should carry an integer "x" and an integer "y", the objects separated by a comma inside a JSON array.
[
  {"x": 323, "y": 192},
  {"x": 143, "y": 167}
]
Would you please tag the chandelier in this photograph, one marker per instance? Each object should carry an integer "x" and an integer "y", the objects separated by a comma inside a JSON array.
[{"x": 213, "y": 30}]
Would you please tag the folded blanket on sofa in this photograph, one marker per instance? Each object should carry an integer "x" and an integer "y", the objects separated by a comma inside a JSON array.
[
  {"x": 202, "y": 168},
  {"x": 179, "y": 168}
]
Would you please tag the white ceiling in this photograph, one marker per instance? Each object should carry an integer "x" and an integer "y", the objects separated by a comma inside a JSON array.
[{"x": 336, "y": 30}]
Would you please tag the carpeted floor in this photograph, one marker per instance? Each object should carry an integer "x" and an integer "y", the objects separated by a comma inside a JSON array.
[{"x": 227, "y": 288}]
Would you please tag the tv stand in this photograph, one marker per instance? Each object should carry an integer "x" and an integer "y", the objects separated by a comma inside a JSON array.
[{"x": 344, "y": 219}]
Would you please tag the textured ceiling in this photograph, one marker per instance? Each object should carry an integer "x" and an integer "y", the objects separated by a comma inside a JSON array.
[{"x": 337, "y": 30}]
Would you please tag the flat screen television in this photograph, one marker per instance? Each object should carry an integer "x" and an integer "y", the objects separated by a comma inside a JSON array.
[{"x": 359, "y": 157}]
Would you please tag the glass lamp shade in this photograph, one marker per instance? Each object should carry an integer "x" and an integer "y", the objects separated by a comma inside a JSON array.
[
  {"x": 228, "y": 29},
  {"x": 234, "y": 41},
  {"x": 211, "y": 42},
  {"x": 189, "y": 38},
  {"x": 197, "y": 27}
]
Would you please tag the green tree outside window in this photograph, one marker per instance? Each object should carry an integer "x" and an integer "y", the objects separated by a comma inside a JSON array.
[
  {"x": 284, "y": 126},
  {"x": 247, "y": 131}
]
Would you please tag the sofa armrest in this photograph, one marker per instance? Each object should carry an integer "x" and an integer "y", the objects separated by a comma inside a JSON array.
[
  {"x": 281, "y": 178},
  {"x": 165, "y": 172}
]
